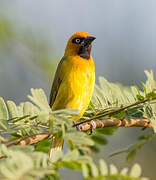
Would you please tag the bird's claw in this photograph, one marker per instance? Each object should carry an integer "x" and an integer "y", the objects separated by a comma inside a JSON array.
[
  {"x": 93, "y": 127},
  {"x": 78, "y": 127}
]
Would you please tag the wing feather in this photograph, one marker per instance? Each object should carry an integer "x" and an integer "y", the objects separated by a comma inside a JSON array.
[{"x": 56, "y": 83}]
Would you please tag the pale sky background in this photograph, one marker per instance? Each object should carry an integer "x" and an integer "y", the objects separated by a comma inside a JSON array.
[{"x": 125, "y": 31}]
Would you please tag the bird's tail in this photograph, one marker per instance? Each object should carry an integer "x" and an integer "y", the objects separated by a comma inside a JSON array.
[{"x": 57, "y": 145}]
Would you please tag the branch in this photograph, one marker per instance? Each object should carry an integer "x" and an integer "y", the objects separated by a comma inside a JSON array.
[
  {"x": 30, "y": 140},
  {"x": 115, "y": 123},
  {"x": 115, "y": 111},
  {"x": 144, "y": 123}
]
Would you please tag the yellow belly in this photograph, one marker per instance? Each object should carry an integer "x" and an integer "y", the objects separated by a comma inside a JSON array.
[{"x": 77, "y": 86}]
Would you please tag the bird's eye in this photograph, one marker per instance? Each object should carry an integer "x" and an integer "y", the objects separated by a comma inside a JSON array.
[{"x": 77, "y": 40}]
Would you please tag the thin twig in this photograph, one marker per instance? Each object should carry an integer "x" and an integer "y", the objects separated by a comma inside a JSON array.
[{"x": 28, "y": 124}]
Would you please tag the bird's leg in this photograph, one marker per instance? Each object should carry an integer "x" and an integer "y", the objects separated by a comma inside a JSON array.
[
  {"x": 92, "y": 125},
  {"x": 78, "y": 127}
]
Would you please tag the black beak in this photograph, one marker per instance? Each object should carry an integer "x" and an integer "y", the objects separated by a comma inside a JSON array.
[{"x": 90, "y": 39}]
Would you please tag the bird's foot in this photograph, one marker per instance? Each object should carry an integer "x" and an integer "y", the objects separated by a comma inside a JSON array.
[
  {"x": 78, "y": 127},
  {"x": 93, "y": 127}
]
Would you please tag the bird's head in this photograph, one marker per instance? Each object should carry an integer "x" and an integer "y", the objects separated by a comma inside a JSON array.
[{"x": 79, "y": 44}]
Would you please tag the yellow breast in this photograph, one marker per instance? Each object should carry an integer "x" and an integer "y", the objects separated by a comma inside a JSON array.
[{"x": 77, "y": 85}]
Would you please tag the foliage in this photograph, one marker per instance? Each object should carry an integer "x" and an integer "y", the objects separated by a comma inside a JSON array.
[
  {"x": 35, "y": 117},
  {"x": 25, "y": 163}
]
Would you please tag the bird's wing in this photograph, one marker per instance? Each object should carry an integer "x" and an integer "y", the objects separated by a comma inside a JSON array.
[{"x": 56, "y": 83}]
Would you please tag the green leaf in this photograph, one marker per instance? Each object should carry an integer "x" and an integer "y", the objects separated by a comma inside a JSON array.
[
  {"x": 99, "y": 139},
  {"x": 139, "y": 97},
  {"x": 150, "y": 83},
  {"x": 44, "y": 145},
  {"x": 85, "y": 171},
  {"x": 100, "y": 97},
  {"x": 124, "y": 171},
  {"x": 74, "y": 165},
  {"x": 144, "y": 178},
  {"x": 3, "y": 110},
  {"x": 51, "y": 126},
  {"x": 29, "y": 109},
  {"x": 113, "y": 169},
  {"x": 26, "y": 149},
  {"x": 94, "y": 149},
  {"x": 106, "y": 130},
  {"x": 13, "y": 111},
  {"x": 144, "y": 88},
  {"x": 39, "y": 98},
  {"x": 71, "y": 156},
  {"x": 145, "y": 137},
  {"x": 79, "y": 138},
  {"x": 43, "y": 117},
  {"x": 56, "y": 156},
  {"x": 103, "y": 167},
  {"x": 94, "y": 170},
  {"x": 149, "y": 113},
  {"x": 135, "y": 171},
  {"x": 3, "y": 125},
  {"x": 131, "y": 155},
  {"x": 153, "y": 121},
  {"x": 151, "y": 95}
]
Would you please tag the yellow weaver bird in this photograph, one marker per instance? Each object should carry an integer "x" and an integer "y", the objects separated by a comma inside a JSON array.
[{"x": 74, "y": 79}]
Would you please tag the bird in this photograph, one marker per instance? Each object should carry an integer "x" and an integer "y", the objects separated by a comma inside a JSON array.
[{"x": 74, "y": 80}]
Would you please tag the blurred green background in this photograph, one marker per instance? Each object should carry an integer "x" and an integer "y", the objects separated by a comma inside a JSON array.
[{"x": 33, "y": 36}]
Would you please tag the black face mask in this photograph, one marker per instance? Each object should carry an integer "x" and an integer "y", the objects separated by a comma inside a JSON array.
[
  {"x": 85, "y": 46},
  {"x": 85, "y": 51}
]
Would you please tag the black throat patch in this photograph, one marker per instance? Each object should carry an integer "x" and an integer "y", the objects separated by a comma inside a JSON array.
[{"x": 85, "y": 51}]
